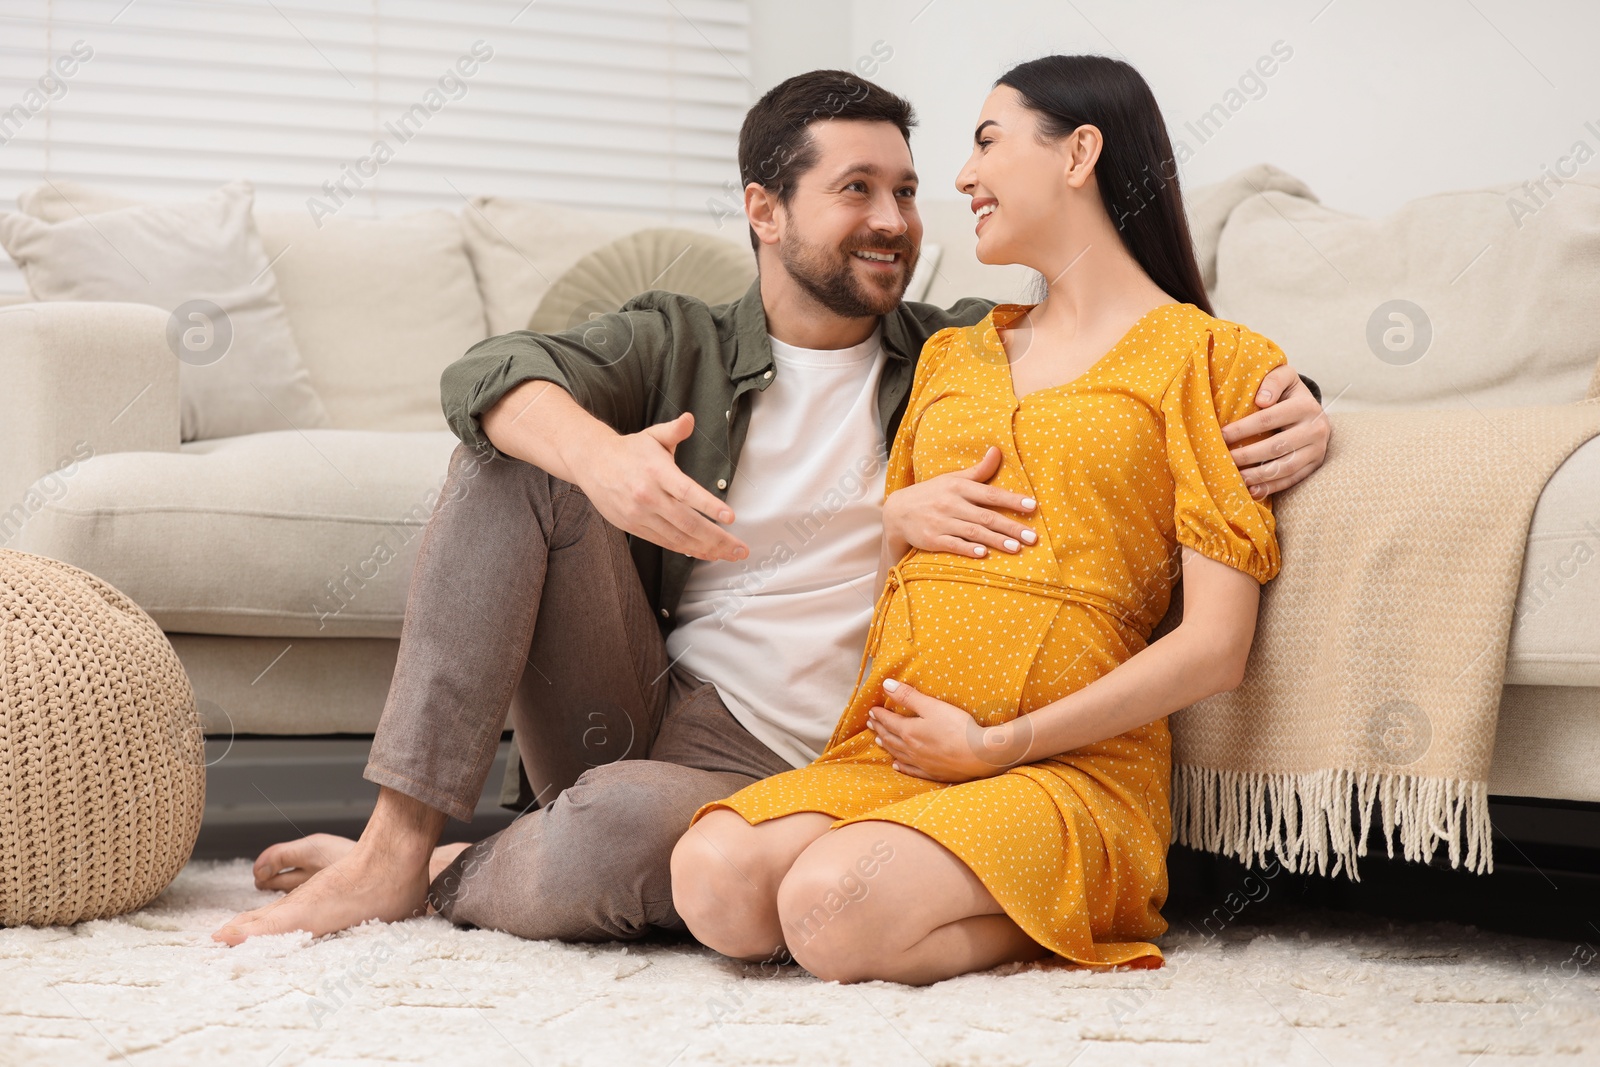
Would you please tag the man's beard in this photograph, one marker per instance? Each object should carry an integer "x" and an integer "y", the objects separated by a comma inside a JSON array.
[{"x": 827, "y": 274}]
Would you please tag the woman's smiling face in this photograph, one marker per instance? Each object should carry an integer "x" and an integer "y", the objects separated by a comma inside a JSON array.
[{"x": 1017, "y": 180}]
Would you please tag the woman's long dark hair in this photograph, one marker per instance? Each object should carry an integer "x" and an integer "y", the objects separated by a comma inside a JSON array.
[{"x": 1137, "y": 171}]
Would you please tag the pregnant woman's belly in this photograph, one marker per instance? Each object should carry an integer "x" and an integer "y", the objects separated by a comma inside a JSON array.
[{"x": 994, "y": 645}]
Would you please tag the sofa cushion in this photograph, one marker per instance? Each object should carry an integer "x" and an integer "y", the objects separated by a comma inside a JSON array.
[
  {"x": 1208, "y": 208},
  {"x": 679, "y": 261},
  {"x": 520, "y": 248},
  {"x": 1555, "y": 635},
  {"x": 1483, "y": 297},
  {"x": 61, "y": 199},
  {"x": 240, "y": 370},
  {"x": 274, "y": 535},
  {"x": 380, "y": 307}
]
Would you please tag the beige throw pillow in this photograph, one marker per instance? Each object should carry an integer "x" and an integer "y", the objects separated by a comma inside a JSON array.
[
  {"x": 203, "y": 261},
  {"x": 1485, "y": 297},
  {"x": 380, "y": 308},
  {"x": 520, "y": 248},
  {"x": 61, "y": 199},
  {"x": 678, "y": 261}
]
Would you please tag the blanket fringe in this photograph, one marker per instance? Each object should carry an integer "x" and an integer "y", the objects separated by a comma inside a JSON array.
[{"x": 1322, "y": 817}]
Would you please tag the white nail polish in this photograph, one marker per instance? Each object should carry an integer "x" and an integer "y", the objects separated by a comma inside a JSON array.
[
  {"x": 890, "y": 684},
  {"x": 1012, "y": 546},
  {"x": 1028, "y": 503},
  {"x": 979, "y": 550},
  {"x": 1029, "y": 536}
]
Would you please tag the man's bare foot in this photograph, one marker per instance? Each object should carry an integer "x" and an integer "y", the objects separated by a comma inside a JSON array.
[
  {"x": 289, "y": 863},
  {"x": 444, "y": 856},
  {"x": 360, "y": 885},
  {"x": 383, "y": 876}
]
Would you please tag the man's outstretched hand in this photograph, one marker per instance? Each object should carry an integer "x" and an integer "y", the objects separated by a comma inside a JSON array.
[
  {"x": 633, "y": 481},
  {"x": 1299, "y": 434},
  {"x": 630, "y": 478}
]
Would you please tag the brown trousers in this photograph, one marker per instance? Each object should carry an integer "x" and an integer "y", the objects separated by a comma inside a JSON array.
[{"x": 524, "y": 596}]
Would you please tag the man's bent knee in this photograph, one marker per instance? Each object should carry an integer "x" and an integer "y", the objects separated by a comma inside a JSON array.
[{"x": 595, "y": 865}]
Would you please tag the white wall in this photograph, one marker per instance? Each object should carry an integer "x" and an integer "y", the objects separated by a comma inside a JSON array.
[
  {"x": 1378, "y": 103},
  {"x": 797, "y": 37}
]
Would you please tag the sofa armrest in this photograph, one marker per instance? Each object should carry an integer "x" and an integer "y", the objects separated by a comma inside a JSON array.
[{"x": 81, "y": 379}]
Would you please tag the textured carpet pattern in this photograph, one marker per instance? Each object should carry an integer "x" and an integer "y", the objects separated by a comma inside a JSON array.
[{"x": 1315, "y": 989}]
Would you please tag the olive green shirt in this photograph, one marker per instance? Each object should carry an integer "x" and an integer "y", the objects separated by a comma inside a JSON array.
[{"x": 661, "y": 355}]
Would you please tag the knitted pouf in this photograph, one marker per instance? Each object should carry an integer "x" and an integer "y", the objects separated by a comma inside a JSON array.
[{"x": 102, "y": 758}]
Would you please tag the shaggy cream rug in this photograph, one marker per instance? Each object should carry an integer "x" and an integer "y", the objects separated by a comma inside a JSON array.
[{"x": 1242, "y": 988}]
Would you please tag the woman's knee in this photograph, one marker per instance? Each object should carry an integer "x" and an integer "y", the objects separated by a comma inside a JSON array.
[
  {"x": 830, "y": 921},
  {"x": 719, "y": 900},
  {"x": 697, "y": 878}
]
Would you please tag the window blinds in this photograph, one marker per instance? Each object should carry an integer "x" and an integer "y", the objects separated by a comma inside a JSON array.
[{"x": 376, "y": 107}]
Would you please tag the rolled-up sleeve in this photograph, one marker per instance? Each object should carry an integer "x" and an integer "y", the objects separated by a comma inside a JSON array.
[{"x": 610, "y": 366}]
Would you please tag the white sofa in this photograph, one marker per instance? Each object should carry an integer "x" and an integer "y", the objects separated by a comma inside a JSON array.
[{"x": 278, "y": 562}]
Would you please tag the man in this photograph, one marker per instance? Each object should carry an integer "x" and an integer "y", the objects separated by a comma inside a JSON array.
[{"x": 582, "y": 565}]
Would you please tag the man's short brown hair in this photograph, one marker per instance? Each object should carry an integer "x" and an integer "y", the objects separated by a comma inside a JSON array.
[{"x": 775, "y": 143}]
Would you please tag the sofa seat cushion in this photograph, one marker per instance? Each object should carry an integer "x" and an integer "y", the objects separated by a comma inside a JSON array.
[
  {"x": 267, "y": 535},
  {"x": 1555, "y": 636},
  {"x": 315, "y": 534}
]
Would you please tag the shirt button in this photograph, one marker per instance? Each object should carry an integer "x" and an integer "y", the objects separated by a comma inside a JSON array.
[
  {"x": 722, "y": 483},
  {"x": 767, "y": 375},
  {"x": 663, "y": 613},
  {"x": 728, "y": 414}
]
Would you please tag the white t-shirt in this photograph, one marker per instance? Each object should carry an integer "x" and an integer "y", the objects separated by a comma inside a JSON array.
[{"x": 780, "y": 633}]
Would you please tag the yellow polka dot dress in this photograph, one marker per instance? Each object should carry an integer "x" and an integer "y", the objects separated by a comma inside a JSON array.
[{"x": 1127, "y": 463}]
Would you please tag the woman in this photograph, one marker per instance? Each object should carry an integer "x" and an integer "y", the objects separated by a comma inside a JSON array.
[{"x": 996, "y": 789}]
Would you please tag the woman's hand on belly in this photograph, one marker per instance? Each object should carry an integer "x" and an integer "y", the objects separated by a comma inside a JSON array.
[
  {"x": 957, "y": 512},
  {"x": 930, "y": 738}
]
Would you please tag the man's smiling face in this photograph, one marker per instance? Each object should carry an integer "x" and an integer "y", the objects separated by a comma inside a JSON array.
[{"x": 850, "y": 233}]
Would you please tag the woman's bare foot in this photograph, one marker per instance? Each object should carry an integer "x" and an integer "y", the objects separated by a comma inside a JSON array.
[
  {"x": 289, "y": 863},
  {"x": 383, "y": 876}
]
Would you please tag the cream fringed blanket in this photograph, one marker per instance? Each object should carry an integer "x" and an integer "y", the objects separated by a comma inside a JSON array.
[{"x": 1374, "y": 682}]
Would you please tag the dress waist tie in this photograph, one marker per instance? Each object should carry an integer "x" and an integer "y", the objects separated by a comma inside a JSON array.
[{"x": 912, "y": 567}]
